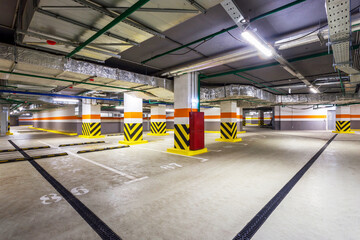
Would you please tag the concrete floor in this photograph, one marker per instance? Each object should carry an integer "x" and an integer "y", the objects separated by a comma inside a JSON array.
[{"x": 142, "y": 192}]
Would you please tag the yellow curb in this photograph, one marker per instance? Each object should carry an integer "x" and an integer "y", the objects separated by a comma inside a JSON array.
[
  {"x": 53, "y": 131},
  {"x": 229, "y": 140},
  {"x": 134, "y": 142},
  {"x": 187, "y": 152}
]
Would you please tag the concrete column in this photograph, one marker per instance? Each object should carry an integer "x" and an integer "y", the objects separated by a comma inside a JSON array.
[
  {"x": 158, "y": 120},
  {"x": 343, "y": 119},
  {"x": 3, "y": 122},
  {"x": 133, "y": 120},
  {"x": 185, "y": 101},
  {"x": 228, "y": 126},
  {"x": 240, "y": 119},
  {"x": 91, "y": 119},
  {"x": 261, "y": 118}
]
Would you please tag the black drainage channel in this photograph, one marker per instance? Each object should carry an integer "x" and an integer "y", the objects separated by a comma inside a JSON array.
[
  {"x": 94, "y": 221},
  {"x": 253, "y": 226}
]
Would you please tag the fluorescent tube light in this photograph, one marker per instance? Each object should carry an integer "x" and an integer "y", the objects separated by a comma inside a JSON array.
[
  {"x": 255, "y": 41},
  {"x": 314, "y": 90},
  {"x": 170, "y": 110},
  {"x": 119, "y": 107},
  {"x": 68, "y": 100}
]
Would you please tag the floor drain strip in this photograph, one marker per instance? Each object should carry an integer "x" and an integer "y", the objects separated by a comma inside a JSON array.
[
  {"x": 253, "y": 226},
  {"x": 94, "y": 221}
]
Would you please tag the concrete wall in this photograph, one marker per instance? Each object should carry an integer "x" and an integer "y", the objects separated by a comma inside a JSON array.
[
  {"x": 355, "y": 116},
  {"x": 212, "y": 119},
  {"x": 300, "y": 117}
]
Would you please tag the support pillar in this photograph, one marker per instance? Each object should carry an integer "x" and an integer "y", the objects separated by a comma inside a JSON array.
[
  {"x": 343, "y": 116},
  {"x": 261, "y": 118},
  {"x": 185, "y": 101},
  {"x": 228, "y": 126},
  {"x": 158, "y": 121},
  {"x": 3, "y": 121},
  {"x": 133, "y": 120},
  {"x": 240, "y": 119},
  {"x": 91, "y": 119}
]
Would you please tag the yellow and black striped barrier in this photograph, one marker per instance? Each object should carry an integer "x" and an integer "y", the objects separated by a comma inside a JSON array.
[
  {"x": 35, "y": 157},
  {"x": 244, "y": 122},
  {"x": 158, "y": 129},
  {"x": 8, "y": 128},
  {"x": 30, "y": 148},
  {"x": 261, "y": 122},
  {"x": 84, "y": 143},
  {"x": 343, "y": 127},
  {"x": 133, "y": 134},
  {"x": 91, "y": 130},
  {"x": 228, "y": 132},
  {"x": 182, "y": 136},
  {"x": 102, "y": 149}
]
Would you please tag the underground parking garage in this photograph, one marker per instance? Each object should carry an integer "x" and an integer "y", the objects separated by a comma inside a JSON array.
[{"x": 186, "y": 119}]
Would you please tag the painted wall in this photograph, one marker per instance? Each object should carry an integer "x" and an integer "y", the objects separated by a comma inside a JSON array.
[
  {"x": 300, "y": 117},
  {"x": 212, "y": 119},
  {"x": 25, "y": 121},
  {"x": 355, "y": 116},
  {"x": 170, "y": 120},
  {"x": 61, "y": 119}
]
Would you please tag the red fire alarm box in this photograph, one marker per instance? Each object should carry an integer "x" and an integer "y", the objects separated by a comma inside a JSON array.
[{"x": 197, "y": 133}]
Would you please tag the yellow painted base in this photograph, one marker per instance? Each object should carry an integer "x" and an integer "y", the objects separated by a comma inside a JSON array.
[
  {"x": 85, "y": 136},
  {"x": 228, "y": 140},
  {"x": 170, "y": 130},
  {"x": 343, "y": 132},
  {"x": 241, "y": 132},
  {"x": 356, "y": 130},
  {"x": 154, "y": 134},
  {"x": 53, "y": 131},
  {"x": 187, "y": 152},
  {"x": 25, "y": 125},
  {"x": 133, "y": 143},
  {"x": 9, "y": 133}
]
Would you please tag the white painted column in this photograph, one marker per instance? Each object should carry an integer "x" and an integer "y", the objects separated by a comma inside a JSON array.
[
  {"x": 133, "y": 119},
  {"x": 3, "y": 121},
  {"x": 228, "y": 127},
  {"x": 158, "y": 120},
  {"x": 91, "y": 119},
  {"x": 186, "y": 100}
]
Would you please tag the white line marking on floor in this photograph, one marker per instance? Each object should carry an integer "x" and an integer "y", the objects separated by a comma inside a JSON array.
[
  {"x": 136, "y": 180},
  {"x": 95, "y": 163},
  {"x": 201, "y": 159}
]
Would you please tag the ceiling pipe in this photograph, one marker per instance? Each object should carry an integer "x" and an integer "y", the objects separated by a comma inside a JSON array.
[
  {"x": 67, "y": 43},
  {"x": 70, "y": 81},
  {"x": 157, "y": 10},
  {"x": 197, "y": 5},
  {"x": 225, "y": 30},
  {"x": 59, "y": 95},
  {"x": 117, "y": 20}
]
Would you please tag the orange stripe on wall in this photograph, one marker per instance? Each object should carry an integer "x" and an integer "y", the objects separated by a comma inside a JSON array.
[
  {"x": 169, "y": 117},
  {"x": 343, "y": 116},
  {"x": 228, "y": 115},
  {"x": 355, "y": 116},
  {"x": 133, "y": 115},
  {"x": 59, "y": 118},
  {"x": 183, "y": 112},
  {"x": 91, "y": 116},
  {"x": 212, "y": 117},
  {"x": 158, "y": 116},
  {"x": 146, "y": 118},
  {"x": 301, "y": 116}
]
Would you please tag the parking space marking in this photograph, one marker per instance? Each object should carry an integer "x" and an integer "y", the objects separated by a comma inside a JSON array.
[{"x": 97, "y": 164}]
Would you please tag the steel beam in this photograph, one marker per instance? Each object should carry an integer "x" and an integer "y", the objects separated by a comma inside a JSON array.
[
  {"x": 128, "y": 21},
  {"x": 83, "y": 25},
  {"x": 157, "y": 10},
  {"x": 197, "y": 6}
]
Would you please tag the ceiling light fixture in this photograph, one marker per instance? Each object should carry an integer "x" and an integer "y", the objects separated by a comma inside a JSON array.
[
  {"x": 313, "y": 90},
  {"x": 256, "y": 42},
  {"x": 119, "y": 107},
  {"x": 67, "y": 100},
  {"x": 170, "y": 110}
]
